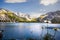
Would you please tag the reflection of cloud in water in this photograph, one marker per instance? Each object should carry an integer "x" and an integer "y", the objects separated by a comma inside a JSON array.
[
  {"x": 53, "y": 25},
  {"x": 21, "y": 24},
  {"x": 2, "y": 26},
  {"x": 35, "y": 29},
  {"x": 30, "y": 28}
]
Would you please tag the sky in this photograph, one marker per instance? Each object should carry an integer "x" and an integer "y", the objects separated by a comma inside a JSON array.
[{"x": 32, "y": 7}]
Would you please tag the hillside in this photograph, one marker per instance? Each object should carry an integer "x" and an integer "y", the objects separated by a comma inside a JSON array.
[
  {"x": 8, "y": 16},
  {"x": 54, "y": 17}
]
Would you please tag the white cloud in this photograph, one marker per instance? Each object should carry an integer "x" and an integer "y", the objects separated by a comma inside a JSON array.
[
  {"x": 35, "y": 15},
  {"x": 42, "y": 10},
  {"x": 48, "y": 2},
  {"x": 15, "y": 1}
]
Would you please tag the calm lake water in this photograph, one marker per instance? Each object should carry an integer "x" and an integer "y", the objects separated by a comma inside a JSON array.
[{"x": 23, "y": 31}]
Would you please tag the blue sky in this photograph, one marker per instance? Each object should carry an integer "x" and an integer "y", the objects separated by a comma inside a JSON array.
[{"x": 33, "y": 7}]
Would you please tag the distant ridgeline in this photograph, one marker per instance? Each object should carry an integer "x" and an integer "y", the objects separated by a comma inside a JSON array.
[{"x": 8, "y": 16}]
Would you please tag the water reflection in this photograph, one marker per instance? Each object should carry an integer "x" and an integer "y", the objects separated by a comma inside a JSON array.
[{"x": 27, "y": 30}]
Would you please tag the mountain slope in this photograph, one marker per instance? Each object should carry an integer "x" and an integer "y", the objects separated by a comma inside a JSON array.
[
  {"x": 54, "y": 17},
  {"x": 8, "y": 16}
]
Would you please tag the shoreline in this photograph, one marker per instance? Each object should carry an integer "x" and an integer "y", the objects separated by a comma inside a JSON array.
[{"x": 28, "y": 22}]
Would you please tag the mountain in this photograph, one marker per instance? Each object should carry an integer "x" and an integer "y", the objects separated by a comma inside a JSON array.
[
  {"x": 8, "y": 16},
  {"x": 54, "y": 17},
  {"x": 27, "y": 16}
]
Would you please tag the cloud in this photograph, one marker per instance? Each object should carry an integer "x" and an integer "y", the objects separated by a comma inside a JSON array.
[
  {"x": 35, "y": 15},
  {"x": 48, "y": 2},
  {"x": 15, "y": 1},
  {"x": 42, "y": 10}
]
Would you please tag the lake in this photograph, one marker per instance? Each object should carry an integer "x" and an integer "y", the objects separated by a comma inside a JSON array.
[{"x": 23, "y": 31}]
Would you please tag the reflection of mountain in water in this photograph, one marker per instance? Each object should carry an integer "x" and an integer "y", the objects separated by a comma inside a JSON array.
[{"x": 27, "y": 30}]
